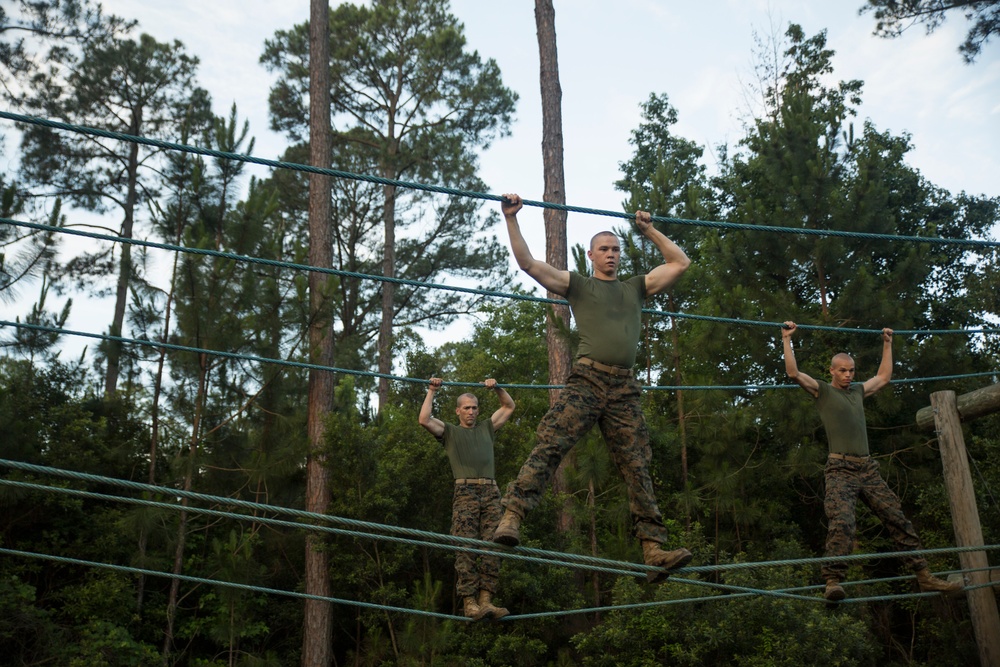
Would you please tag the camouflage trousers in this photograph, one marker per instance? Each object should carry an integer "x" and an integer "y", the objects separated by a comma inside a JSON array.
[
  {"x": 846, "y": 481},
  {"x": 475, "y": 513},
  {"x": 612, "y": 402}
]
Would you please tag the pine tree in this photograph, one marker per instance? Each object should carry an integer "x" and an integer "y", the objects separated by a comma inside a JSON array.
[{"x": 416, "y": 102}]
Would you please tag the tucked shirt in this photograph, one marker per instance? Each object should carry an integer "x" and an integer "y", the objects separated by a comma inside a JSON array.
[
  {"x": 469, "y": 450},
  {"x": 608, "y": 317},
  {"x": 843, "y": 415}
]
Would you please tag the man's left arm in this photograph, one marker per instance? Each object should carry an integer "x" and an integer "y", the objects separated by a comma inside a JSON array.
[
  {"x": 507, "y": 405},
  {"x": 884, "y": 373},
  {"x": 675, "y": 260}
]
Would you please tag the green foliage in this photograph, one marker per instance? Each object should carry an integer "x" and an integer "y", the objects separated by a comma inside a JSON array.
[
  {"x": 892, "y": 17},
  {"x": 47, "y": 27},
  {"x": 409, "y": 101},
  {"x": 753, "y": 631},
  {"x": 738, "y": 473},
  {"x": 27, "y": 631},
  {"x": 102, "y": 644}
]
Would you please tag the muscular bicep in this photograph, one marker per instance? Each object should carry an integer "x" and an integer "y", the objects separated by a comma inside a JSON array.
[
  {"x": 552, "y": 279},
  {"x": 874, "y": 384},
  {"x": 434, "y": 426},
  {"x": 661, "y": 277},
  {"x": 807, "y": 382},
  {"x": 500, "y": 417}
]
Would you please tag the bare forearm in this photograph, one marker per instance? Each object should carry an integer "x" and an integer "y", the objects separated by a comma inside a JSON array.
[
  {"x": 552, "y": 279},
  {"x": 427, "y": 408},
  {"x": 518, "y": 246},
  {"x": 791, "y": 366},
  {"x": 505, "y": 400},
  {"x": 885, "y": 367}
]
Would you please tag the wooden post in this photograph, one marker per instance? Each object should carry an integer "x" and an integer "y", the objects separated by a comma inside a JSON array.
[
  {"x": 968, "y": 530},
  {"x": 974, "y": 404}
]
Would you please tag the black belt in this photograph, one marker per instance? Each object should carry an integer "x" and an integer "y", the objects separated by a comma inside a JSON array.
[{"x": 614, "y": 370}]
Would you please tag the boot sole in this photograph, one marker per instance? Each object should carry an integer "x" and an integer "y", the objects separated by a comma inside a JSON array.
[
  {"x": 943, "y": 591},
  {"x": 662, "y": 575},
  {"x": 835, "y": 595},
  {"x": 507, "y": 539}
]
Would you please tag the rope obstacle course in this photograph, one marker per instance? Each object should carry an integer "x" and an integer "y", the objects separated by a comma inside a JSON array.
[
  {"x": 367, "y": 530},
  {"x": 327, "y": 524}
]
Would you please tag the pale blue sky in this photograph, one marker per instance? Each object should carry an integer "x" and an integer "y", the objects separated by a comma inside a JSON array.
[{"x": 612, "y": 55}]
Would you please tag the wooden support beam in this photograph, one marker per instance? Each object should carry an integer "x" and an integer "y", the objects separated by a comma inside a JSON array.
[
  {"x": 968, "y": 529},
  {"x": 974, "y": 404}
]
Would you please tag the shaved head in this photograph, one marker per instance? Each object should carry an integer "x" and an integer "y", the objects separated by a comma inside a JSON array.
[
  {"x": 593, "y": 241},
  {"x": 467, "y": 397},
  {"x": 841, "y": 358}
]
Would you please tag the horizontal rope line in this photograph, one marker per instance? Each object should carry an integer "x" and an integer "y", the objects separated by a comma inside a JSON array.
[
  {"x": 790, "y": 593},
  {"x": 250, "y": 259},
  {"x": 735, "y": 596},
  {"x": 239, "y": 157},
  {"x": 492, "y": 550},
  {"x": 346, "y": 371},
  {"x": 679, "y": 580},
  {"x": 229, "y": 584},
  {"x": 410, "y": 532},
  {"x": 419, "y": 612},
  {"x": 276, "y": 263},
  {"x": 435, "y": 538}
]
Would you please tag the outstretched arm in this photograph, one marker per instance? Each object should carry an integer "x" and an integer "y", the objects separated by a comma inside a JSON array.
[
  {"x": 432, "y": 424},
  {"x": 791, "y": 367},
  {"x": 884, "y": 373},
  {"x": 549, "y": 277},
  {"x": 675, "y": 260},
  {"x": 506, "y": 409}
]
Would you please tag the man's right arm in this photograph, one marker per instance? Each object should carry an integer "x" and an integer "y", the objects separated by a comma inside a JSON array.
[
  {"x": 432, "y": 424},
  {"x": 549, "y": 277},
  {"x": 791, "y": 367}
]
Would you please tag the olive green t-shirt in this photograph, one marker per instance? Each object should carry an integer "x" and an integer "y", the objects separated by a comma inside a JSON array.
[
  {"x": 843, "y": 415},
  {"x": 470, "y": 450},
  {"x": 608, "y": 317}
]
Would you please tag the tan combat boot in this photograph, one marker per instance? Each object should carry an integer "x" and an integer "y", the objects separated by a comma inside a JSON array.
[
  {"x": 931, "y": 584},
  {"x": 508, "y": 530},
  {"x": 834, "y": 592},
  {"x": 471, "y": 608},
  {"x": 488, "y": 608},
  {"x": 654, "y": 555}
]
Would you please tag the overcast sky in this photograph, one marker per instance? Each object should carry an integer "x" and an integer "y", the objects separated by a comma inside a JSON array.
[{"x": 612, "y": 55}]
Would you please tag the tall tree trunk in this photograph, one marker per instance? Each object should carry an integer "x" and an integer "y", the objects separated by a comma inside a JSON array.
[
  {"x": 555, "y": 221},
  {"x": 192, "y": 464},
  {"x": 154, "y": 430},
  {"x": 823, "y": 290},
  {"x": 317, "y": 632},
  {"x": 154, "y": 434},
  {"x": 388, "y": 289},
  {"x": 125, "y": 266}
]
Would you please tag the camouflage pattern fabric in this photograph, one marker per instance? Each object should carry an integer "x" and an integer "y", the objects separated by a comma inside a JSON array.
[
  {"x": 612, "y": 402},
  {"x": 846, "y": 481},
  {"x": 475, "y": 513}
]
